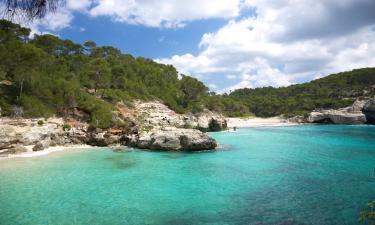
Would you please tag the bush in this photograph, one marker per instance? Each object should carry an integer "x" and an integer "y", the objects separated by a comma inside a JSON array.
[
  {"x": 368, "y": 215},
  {"x": 32, "y": 107},
  {"x": 66, "y": 127}
]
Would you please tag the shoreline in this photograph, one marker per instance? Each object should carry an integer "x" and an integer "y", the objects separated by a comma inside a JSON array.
[
  {"x": 47, "y": 151},
  {"x": 258, "y": 122}
]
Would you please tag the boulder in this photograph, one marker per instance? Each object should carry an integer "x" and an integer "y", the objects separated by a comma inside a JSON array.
[
  {"x": 120, "y": 149},
  {"x": 103, "y": 139},
  {"x": 17, "y": 149},
  {"x": 176, "y": 139},
  {"x": 41, "y": 145},
  {"x": 144, "y": 142},
  {"x": 209, "y": 121},
  {"x": 369, "y": 111}
]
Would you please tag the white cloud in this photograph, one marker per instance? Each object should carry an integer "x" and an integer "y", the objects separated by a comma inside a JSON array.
[
  {"x": 78, "y": 4},
  {"x": 164, "y": 13},
  {"x": 286, "y": 42}
]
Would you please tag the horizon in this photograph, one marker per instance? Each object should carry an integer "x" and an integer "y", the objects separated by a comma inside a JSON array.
[{"x": 228, "y": 44}]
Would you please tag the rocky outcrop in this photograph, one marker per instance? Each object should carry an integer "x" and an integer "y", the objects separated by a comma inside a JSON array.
[
  {"x": 157, "y": 115},
  {"x": 158, "y": 128},
  {"x": 349, "y": 115},
  {"x": 174, "y": 139},
  {"x": 369, "y": 111}
]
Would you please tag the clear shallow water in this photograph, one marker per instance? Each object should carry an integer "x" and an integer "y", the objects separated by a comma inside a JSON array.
[{"x": 272, "y": 175}]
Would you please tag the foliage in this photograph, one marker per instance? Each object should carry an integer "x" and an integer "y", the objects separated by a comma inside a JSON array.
[
  {"x": 369, "y": 215},
  {"x": 333, "y": 91},
  {"x": 47, "y": 75},
  {"x": 66, "y": 127}
]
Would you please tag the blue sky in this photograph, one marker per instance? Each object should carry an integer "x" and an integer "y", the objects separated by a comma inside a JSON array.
[
  {"x": 150, "y": 42},
  {"x": 229, "y": 44}
]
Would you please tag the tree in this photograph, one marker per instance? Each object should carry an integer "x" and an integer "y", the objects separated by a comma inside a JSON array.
[
  {"x": 192, "y": 89},
  {"x": 89, "y": 46},
  {"x": 100, "y": 73},
  {"x": 24, "y": 61},
  {"x": 30, "y": 9}
]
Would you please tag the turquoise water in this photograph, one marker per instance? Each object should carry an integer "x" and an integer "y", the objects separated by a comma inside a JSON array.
[{"x": 271, "y": 175}]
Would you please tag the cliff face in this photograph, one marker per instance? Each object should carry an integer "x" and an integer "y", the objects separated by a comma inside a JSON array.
[
  {"x": 154, "y": 126},
  {"x": 359, "y": 113},
  {"x": 156, "y": 115}
]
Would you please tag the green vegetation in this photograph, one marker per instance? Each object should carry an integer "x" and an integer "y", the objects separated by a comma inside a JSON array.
[
  {"x": 66, "y": 127},
  {"x": 369, "y": 215},
  {"x": 46, "y": 76},
  {"x": 333, "y": 91}
]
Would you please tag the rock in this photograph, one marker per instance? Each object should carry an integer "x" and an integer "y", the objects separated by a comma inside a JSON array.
[
  {"x": 17, "y": 149},
  {"x": 120, "y": 149},
  {"x": 337, "y": 117},
  {"x": 144, "y": 142},
  {"x": 41, "y": 145},
  {"x": 297, "y": 119},
  {"x": 157, "y": 115},
  {"x": 103, "y": 139},
  {"x": 369, "y": 111},
  {"x": 357, "y": 106},
  {"x": 165, "y": 141},
  {"x": 348, "y": 115},
  {"x": 176, "y": 139}
]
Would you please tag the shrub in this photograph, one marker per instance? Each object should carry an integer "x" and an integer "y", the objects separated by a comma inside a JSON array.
[{"x": 66, "y": 127}]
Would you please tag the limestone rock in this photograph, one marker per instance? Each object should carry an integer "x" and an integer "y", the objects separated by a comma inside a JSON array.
[
  {"x": 176, "y": 139},
  {"x": 120, "y": 149},
  {"x": 337, "y": 117},
  {"x": 17, "y": 149},
  {"x": 157, "y": 115},
  {"x": 369, "y": 111},
  {"x": 348, "y": 115},
  {"x": 41, "y": 145}
]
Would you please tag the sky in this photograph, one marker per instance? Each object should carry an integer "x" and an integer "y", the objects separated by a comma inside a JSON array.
[{"x": 228, "y": 44}]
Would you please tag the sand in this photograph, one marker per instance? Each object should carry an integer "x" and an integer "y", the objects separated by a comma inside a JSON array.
[
  {"x": 258, "y": 122},
  {"x": 46, "y": 151}
]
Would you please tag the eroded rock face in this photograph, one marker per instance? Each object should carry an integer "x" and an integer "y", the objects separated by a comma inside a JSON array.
[
  {"x": 369, "y": 111},
  {"x": 176, "y": 139},
  {"x": 349, "y": 115},
  {"x": 337, "y": 117},
  {"x": 157, "y": 115}
]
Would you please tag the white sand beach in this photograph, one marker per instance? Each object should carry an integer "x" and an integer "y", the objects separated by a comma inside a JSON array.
[
  {"x": 258, "y": 122},
  {"x": 31, "y": 153}
]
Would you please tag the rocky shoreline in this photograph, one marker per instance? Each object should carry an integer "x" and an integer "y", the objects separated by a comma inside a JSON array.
[
  {"x": 156, "y": 127},
  {"x": 361, "y": 112}
]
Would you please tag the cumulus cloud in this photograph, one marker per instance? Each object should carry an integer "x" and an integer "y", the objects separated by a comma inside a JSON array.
[
  {"x": 285, "y": 42},
  {"x": 164, "y": 13},
  {"x": 151, "y": 13}
]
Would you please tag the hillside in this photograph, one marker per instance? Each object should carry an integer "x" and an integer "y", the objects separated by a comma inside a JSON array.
[
  {"x": 46, "y": 76},
  {"x": 333, "y": 91}
]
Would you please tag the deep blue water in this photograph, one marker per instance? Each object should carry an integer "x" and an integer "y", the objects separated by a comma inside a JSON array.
[{"x": 270, "y": 175}]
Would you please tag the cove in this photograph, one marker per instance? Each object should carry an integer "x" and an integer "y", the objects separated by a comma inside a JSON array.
[{"x": 266, "y": 175}]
